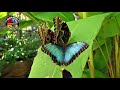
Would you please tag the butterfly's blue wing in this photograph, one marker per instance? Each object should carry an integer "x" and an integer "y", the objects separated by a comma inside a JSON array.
[
  {"x": 73, "y": 50},
  {"x": 55, "y": 51},
  {"x": 60, "y": 57}
]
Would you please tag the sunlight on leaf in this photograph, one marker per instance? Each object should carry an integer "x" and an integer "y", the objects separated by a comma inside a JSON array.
[{"x": 3, "y": 14}]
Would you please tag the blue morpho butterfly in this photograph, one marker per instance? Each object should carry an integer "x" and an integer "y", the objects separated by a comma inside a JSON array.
[{"x": 55, "y": 43}]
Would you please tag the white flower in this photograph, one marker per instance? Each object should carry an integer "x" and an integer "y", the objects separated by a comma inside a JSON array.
[{"x": 11, "y": 49}]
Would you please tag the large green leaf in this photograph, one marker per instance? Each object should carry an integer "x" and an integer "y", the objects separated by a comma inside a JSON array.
[
  {"x": 84, "y": 30},
  {"x": 38, "y": 17},
  {"x": 48, "y": 16},
  {"x": 110, "y": 28}
]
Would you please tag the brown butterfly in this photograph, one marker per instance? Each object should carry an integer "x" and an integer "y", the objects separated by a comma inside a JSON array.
[
  {"x": 61, "y": 32},
  {"x": 46, "y": 35}
]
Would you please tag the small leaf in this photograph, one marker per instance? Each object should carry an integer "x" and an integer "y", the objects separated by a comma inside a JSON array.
[
  {"x": 25, "y": 23},
  {"x": 3, "y": 14}
]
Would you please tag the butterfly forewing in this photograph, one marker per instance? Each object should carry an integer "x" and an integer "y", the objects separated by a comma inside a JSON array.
[
  {"x": 67, "y": 33},
  {"x": 61, "y": 32},
  {"x": 73, "y": 51}
]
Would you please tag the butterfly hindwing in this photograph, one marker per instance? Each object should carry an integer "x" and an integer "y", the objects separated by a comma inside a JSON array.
[
  {"x": 55, "y": 52},
  {"x": 61, "y": 56}
]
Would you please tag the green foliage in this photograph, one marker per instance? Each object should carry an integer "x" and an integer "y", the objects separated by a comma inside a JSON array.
[
  {"x": 25, "y": 23},
  {"x": 20, "y": 48},
  {"x": 98, "y": 30},
  {"x": 3, "y": 14},
  {"x": 48, "y": 16},
  {"x": 82, "y": 30},
  {"x": 110, "y": 28},
  {"x": 88, "y": 14},
  {"x": 99, "y": 60},
  {"x": 42, "y": 17},
  {"x": 98, "y": 74},
  {"x": 14, "y": 49}
]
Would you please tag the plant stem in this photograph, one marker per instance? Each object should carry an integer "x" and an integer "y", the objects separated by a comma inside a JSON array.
[
  {"x": 91, "y": 64},
  {"x": 110, "y": 65},
  {"x": 104, "y": 58},
  {"x": 117, "y": 60},
  {"x": 117, "y": 55}
]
